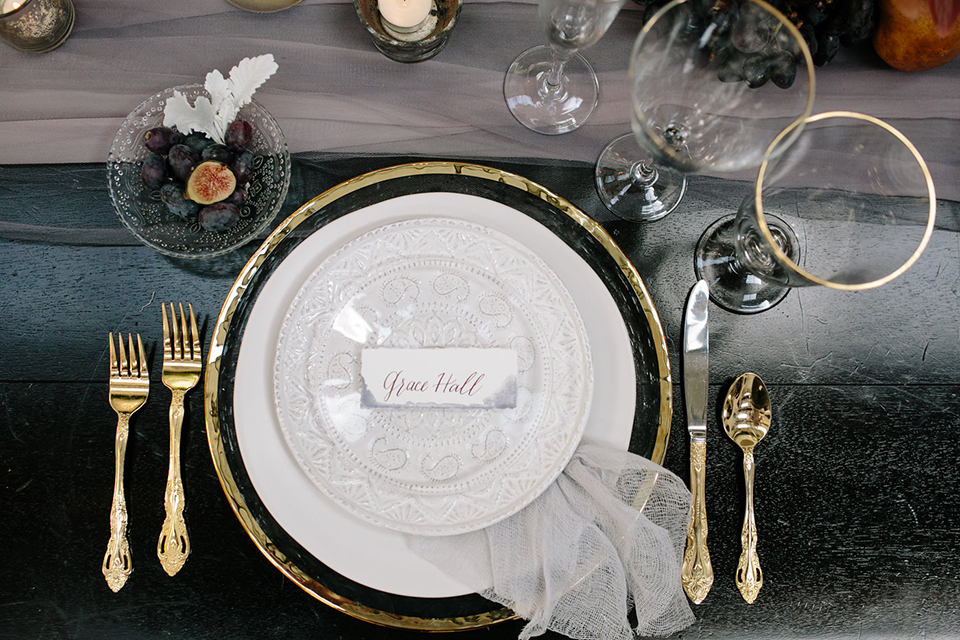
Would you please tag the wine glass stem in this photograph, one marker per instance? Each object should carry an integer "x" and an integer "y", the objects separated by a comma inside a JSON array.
[
  {"x": 551, "y": 83},
  {"x": 757, "y": 254},
  {"x": 643, "y": 175}
]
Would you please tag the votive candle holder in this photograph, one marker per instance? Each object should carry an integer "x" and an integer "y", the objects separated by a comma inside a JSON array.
[
  {"x": 36, "y": 26},
  {"x": 410, "y": 44}
]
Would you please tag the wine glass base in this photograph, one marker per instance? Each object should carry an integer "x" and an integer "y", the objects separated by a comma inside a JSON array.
[
  {"x": 732, "y": 287},
  {"x": 535, "y": 106},
  {"x": 633, "y": 186}
]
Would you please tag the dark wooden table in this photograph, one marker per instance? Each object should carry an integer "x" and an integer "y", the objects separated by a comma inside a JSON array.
[{"x": 856, "y": 497}]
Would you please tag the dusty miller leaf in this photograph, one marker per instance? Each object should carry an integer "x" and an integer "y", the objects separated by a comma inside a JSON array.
[
  {"x": 186, "y": 118},
  {"x": 218, "y": 88},
  {"x": 227, "y": 96},
  {"x": 248, "y": 75},
  {"x": 222, "y": 100}
]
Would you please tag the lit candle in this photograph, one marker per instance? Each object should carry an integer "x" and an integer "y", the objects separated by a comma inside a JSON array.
[
  {"x": 404, "y": 14},
  {"x": 36, "y": 26}
]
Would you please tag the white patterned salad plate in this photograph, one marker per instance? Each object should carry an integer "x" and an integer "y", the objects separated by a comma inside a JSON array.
[{"x": 448, "y": 286}]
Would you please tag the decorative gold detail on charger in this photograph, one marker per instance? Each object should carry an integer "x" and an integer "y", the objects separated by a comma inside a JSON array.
[
  {"x": 696, "y": 574},
  {"x": 218, "y": 340}
]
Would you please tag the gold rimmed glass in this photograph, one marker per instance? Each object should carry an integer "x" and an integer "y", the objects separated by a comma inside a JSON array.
[
  {"x": 711, "y": 85},
  {"x": 848, "y": 203}
]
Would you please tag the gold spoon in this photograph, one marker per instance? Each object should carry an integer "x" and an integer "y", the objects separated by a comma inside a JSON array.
[{"x": 746, "y": 419}]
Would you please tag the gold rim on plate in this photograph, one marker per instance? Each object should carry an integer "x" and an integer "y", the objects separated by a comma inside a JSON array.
[{"x": 218, "y": 450}]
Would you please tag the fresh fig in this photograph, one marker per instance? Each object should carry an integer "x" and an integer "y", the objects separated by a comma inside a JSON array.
[
  {"x": 238, "y": 197},
  {"x": 160, "y": 139},
  {"x": 210, "y": 182},
  {"x": 153, "y": 171},
  {"x": 198, "y": 142},
  {"x": 219, "y": 217},
  {"x": 243, "y": 166},
  {"x": 238, "y": 135},
  {"x": 181, "y": 160},
  {"x": 172, "y": 196},
  {"x": 218, "y": 152}
]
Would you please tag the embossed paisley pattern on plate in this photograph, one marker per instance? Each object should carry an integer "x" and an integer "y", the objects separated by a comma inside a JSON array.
[{"x": 425, "y": 283}]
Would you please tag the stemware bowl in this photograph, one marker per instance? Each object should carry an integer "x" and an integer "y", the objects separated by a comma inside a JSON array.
[
  {"x": 851, "y": 191},
  {"x": 552, "y": 89},
  {"x": 711, "y": 84},
  {"x": 145, "y": 215}
]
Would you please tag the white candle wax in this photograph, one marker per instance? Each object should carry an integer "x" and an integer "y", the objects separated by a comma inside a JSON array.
[
  {"x": 10, "y": 5},
  {"x": 404, "y": 13}
]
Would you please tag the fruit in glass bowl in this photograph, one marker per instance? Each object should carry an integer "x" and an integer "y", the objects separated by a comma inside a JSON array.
[{"x": 163, "y": 221}]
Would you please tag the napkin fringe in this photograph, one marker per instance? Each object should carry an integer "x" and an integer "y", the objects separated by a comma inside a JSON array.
[{"x": 581, "y": 560}]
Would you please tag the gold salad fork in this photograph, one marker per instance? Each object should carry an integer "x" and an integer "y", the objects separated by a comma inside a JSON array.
[
  {"x": 181, "y": 372},
  {"x": 129, "y": 388}
]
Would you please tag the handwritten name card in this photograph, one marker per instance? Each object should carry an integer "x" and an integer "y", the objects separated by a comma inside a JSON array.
[{"x": 455, "y": 377}]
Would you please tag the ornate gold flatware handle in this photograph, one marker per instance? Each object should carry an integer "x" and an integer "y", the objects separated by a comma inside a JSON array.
[
  {"x": 117, "y": 563},
  {"x": 696, "y": 575},
  {"x": 749, "y": 575},
  {"x": 173, "y": 547}
]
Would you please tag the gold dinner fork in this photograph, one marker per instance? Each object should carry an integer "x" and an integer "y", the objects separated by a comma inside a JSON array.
[
  {"x": 181, "y": 372},
  {"x": 129, "y": 388}
]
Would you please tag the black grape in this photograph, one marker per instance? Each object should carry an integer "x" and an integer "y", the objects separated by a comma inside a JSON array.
[
  {"x": 732, "y": 69},
  {"x": 757, "y": 70},
  {"x": 784, "y": 72},
  {"x": 810, "y": 37},
  {"x": 722, "y": 21},
  {"x": 815, "y": 13},
  {"x": 860, "y": 21},
  {"x": 828, "y": 44}
]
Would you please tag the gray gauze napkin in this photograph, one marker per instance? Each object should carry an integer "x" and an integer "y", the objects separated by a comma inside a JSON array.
[{"x": 604, "y": 539}]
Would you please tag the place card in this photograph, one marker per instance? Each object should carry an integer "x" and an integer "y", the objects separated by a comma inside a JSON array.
[{"x": 439, "y": 377}]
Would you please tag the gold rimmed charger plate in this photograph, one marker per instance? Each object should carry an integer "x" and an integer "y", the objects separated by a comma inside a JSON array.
[{"x": 653, "y": 410}]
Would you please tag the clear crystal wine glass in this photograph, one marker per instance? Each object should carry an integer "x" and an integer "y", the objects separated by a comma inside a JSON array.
[
  {"x": 712, "y": 82},
  {"x": 850, "y": 190},
  {"x": 552, "y": 89}
]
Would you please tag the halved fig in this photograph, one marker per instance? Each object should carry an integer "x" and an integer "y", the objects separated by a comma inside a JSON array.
[{"x": 211, "y": 182}]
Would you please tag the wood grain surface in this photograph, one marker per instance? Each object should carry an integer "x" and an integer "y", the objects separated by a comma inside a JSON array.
[{"x": 856, "y": 497}]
